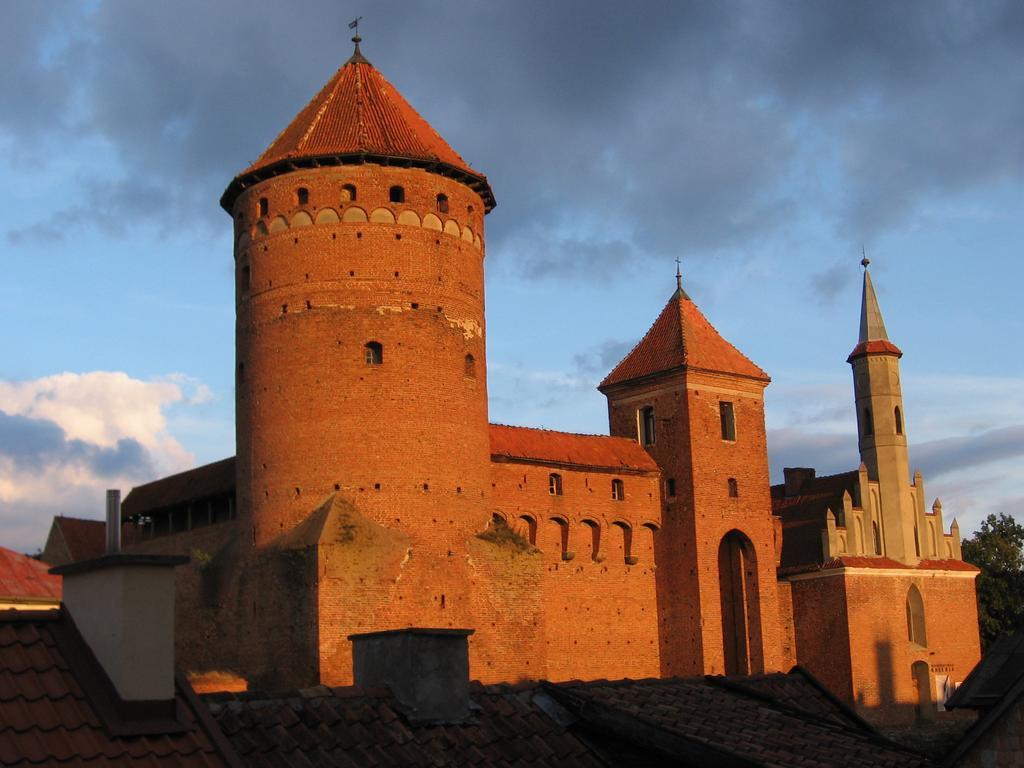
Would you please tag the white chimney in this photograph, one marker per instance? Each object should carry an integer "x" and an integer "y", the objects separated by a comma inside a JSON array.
[{"x": 123, "y": 606}]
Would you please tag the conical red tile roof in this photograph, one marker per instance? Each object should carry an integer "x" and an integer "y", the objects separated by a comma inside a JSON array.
[
  {"x": 682, "y": 337},
  {"x": 359, "y": 117}
]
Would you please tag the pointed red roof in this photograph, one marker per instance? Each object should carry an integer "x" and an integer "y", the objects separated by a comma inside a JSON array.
[
  {"x": 682, "y": 337},
  {"x": 359, "y": 117}
]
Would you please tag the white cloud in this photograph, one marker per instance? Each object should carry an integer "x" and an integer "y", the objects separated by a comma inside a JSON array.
[{"x": 65, "y": 438}]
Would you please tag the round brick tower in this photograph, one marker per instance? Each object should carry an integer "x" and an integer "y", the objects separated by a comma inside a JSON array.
[{"x": 360, "y": 364}]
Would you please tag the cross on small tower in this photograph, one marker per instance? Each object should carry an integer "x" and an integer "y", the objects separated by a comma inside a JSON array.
[{"x": 679, "y": 275}]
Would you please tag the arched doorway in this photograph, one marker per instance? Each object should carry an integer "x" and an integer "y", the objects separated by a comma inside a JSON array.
[
  {"x": 923, "y": 682},
  {"x": 741, "y": 615}
]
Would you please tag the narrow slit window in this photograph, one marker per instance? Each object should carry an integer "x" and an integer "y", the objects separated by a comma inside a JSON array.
[
  {"x": 647, "y": 426},
  {"x": 555, "y": 484},
  {"x": 348, "y": 193},
  {"x": 727, "y": 415},
  {"x": 869, "y": 423},
  {"x": 302, "y": 196},
  {"x": 397, "y": 194},
  {"x": 899, "y": 420},
  {"x": 442, "y": 203},
  {"x": 618, "y": 490},
  {"x": 246, "y": 277},
  {"x": 264, "y": 206},
  {"x": 374, "y": 353},
  {"x": 595, "y": 539},
  {"x": 916, "y": 631},
  {"x": 470, "y": 367},
  {"x": 734, "y": 488},
  {"x": 670, "y": 487}
]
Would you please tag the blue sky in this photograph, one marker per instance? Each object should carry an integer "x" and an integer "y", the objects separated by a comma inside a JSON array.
[{"x": 761, "y": 143}]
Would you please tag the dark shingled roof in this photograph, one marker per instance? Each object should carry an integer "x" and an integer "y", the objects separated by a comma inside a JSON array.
[
  {"x": 995, "y": 687},
  {"x": 359, "y": 727},
  {"x": 199, "y": 483},
  {"x": 736, "y": 721},
  {"x": 682, "y": 337},
  {"x": 546, "y": 446},
  {"x": 803, "y": 515},
  {"x": 54, "y": 711},
  {"x": 765, "y": 720}
]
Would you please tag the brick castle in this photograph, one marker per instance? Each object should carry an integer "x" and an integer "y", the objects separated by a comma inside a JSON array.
[{"x": 370, "y": 492}]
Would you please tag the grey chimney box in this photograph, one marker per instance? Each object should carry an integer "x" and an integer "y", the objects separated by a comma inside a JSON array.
[{"x": 427, "y": 670}]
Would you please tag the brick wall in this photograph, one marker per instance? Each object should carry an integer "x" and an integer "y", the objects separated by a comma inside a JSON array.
[
  {"x": 851, "y": 631},
  {"x": 881, "y": 653},
  {"x": 599, "y": 611}
]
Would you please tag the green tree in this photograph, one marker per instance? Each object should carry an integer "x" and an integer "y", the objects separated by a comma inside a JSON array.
[{"x": 998, "y": 550}]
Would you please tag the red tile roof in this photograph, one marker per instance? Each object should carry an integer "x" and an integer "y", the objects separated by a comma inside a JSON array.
[
  {"x": 86, "y": 539},
  {"x": 24, "y": 578},
  {"x": 359, "y": 113},
  {"x": 52, "y": 711},
  {"x": 545, "y": 446},
  {"x": 875, "y": 346},
  {"x": 202, "y": 482},
  {"x": 682, "y": 337}
]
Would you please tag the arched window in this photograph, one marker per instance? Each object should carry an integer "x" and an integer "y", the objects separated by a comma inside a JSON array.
[
  {"x": 877, "y": 534},
  {"x": 442, "y": 203},
  {"x": 528, "y": 529},
  {"x": 899, "y": 420},
  {"x": 302, "y": 196},
  {"x": 396, "y": 194},
  {"x": 555, "y": 484},
  {"x": 734, "y": 488},
  {"x": 264, "y": 206},
  {"x": 869, "y": 423},
  {"x": 348, "y": 193},
  {"x": 624, "y": 542},
  {"x": 592, "y": 531},
  {"x": 915, "y": 618},
  {"x": 470, "y": 366},
  {"x": 374, "y": 353},
  {"x": 558, "y": 530},
  {"x": 618, "y": 490},
  {"x": 647, "y": 426}
]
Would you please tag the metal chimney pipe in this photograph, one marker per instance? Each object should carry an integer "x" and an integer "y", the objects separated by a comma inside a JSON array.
[{"x": 113, "y": 521}]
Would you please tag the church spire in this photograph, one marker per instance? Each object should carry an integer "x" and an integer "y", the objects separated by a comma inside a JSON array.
[{"x": 872, "y": 327}]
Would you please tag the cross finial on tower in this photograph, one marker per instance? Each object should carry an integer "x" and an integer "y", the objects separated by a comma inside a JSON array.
[
  {"x": 679, "y": 275},
  {"x": 864, "y": 258}
]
